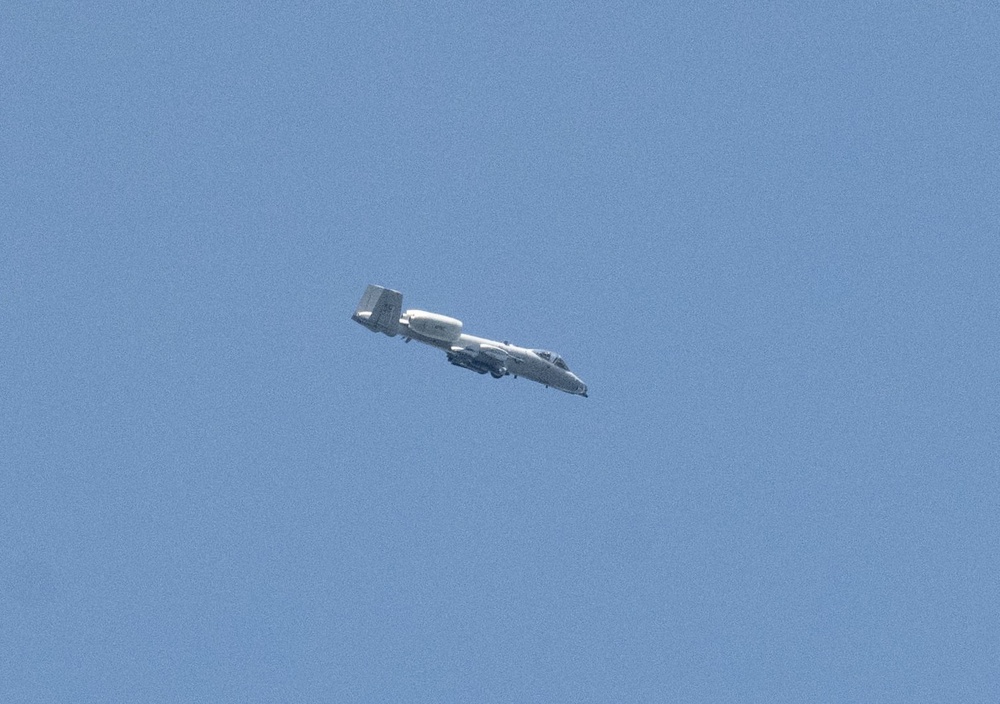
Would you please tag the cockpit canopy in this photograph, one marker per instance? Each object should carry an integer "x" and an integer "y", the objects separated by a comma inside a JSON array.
[{"x": 550, "y": 357}]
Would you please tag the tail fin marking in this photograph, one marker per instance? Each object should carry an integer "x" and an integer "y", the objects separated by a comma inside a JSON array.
[{"x": 379, "y": 310}]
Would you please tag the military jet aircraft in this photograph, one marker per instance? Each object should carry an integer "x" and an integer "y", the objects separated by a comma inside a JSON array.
[{"x": 380, "y": 311}]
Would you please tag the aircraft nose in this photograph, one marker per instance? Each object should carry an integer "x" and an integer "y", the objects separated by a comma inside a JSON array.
[{"x": 583, "y": 390}]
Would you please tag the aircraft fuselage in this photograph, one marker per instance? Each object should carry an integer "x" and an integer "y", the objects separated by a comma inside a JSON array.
[
  {"x": 520, "y": 361},
  {"x": 380, "y": 307}
]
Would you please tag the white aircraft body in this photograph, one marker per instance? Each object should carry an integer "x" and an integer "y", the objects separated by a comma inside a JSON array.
[{"x": 380, "y": 310}]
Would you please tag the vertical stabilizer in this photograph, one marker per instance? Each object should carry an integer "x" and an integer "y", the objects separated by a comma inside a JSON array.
[{"x": 379, "y": 310}]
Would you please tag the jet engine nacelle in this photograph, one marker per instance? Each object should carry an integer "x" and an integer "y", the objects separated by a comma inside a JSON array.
[{"x": 434, "y": 325}]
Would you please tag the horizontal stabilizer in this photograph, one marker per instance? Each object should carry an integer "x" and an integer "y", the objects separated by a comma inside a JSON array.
[{"x": 379, "y": 310}]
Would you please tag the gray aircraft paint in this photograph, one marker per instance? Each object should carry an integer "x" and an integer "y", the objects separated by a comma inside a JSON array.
[{"x": 380, "y": 310}]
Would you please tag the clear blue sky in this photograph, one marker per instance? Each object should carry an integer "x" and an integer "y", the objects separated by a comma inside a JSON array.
[{"x": 765, "y": 235}]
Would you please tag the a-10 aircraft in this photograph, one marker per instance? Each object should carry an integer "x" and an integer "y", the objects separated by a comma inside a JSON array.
[{"x": 380, "y": 310}]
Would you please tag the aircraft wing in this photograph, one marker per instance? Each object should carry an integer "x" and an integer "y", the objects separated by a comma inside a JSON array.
[{"x": 480, "y": 358}]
